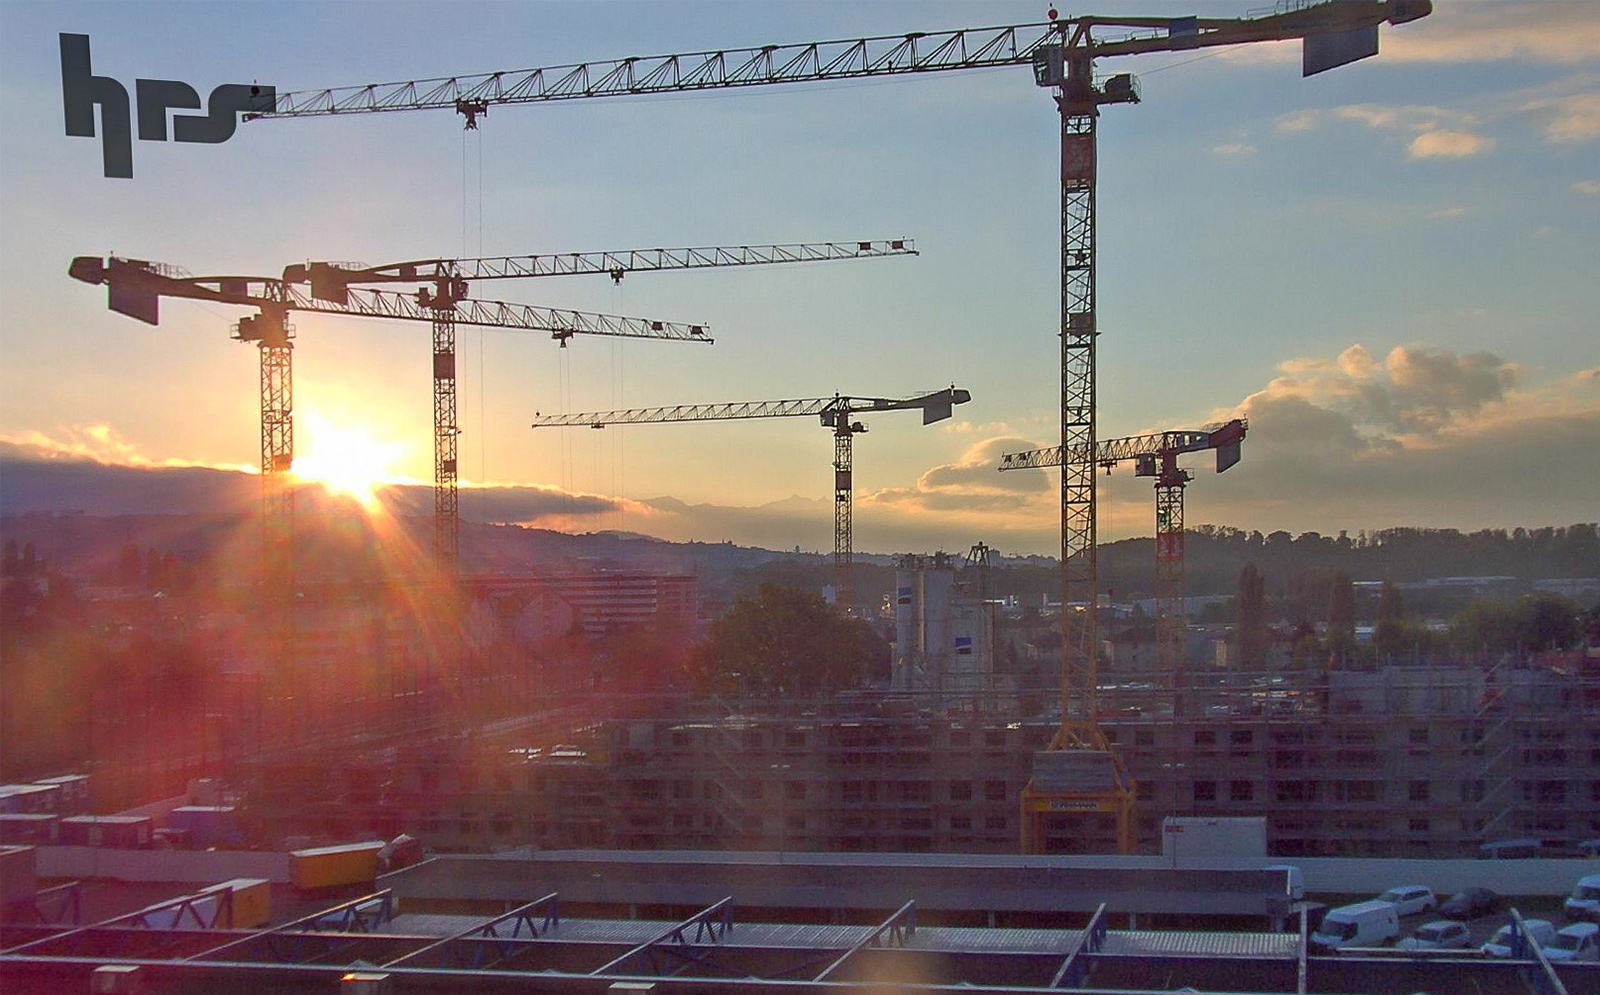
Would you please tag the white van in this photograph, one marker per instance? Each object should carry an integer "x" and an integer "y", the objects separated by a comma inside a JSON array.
[
  {"x": 1364, "y": 924},
  {"x": 1585, "y": 900},
  {"x": 1539, "y": 930},
  {"x": 1577, "y": 942}
]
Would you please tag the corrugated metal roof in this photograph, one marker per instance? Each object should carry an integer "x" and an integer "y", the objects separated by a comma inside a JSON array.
[
  {"x": 1203, "y": 944},
  {"x": 948, "y": 939}
]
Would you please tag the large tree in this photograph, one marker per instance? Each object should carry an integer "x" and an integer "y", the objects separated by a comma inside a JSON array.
[
  {"x": 1341, "y": 619},
  {"x": 785, "y": 639},
  {"x": 1388, "y": 634}
]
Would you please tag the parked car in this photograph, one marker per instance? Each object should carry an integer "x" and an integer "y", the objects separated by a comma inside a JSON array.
[
  {"x": 1364, "y": 924},
  {"x": 1440, "y": 935},
  {"x": 1541, "y": 931},
  {"x": 1470, "y": 904},
  {"x": 1585, "y": 900},
  {"x": 1410, "y": 899},
  {"x": 1530, "y": 847},
  {"x": 1577, "y": 942}
]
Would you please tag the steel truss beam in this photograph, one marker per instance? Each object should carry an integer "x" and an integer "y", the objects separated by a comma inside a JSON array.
[
  {"x": 972, "y": 48},
  {"x": 1090, "y": 941},
  {"x": 330, "y": 280},
  {"x": 213, "y": 910},
  {"x": 900, "y": 927},
  {"x": 711, "y": 925},
  {"x": 519, "y": 919},
  {"x": 359, "y": 915}
]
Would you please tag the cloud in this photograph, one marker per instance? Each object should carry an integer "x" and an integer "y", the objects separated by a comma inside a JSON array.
[
  {"x": 1235, "y": 150},
  {"x": 97, "y": 443},
  {"x": 1439, "y": 131},
  {"x": 1416, "y": 390},
  {"x": 1564, "y": 33},
  {"x": 1448, "y": 213},
  {"x": 1454, "y": 144},
  {"x": 1425, "y": 436},
  {"x": 1298, "y": 121},
  {"x": 1571, "y": 118},
  {"x": 1589, "y": 187}
]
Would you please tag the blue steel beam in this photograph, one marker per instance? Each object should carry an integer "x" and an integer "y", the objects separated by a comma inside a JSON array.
[
  {"x": 1342, "y": 974},
  {"x": 901, "y": 927},
  {"x": 1302, "y": 969},
  {"x": 710, "y": 924},
  {"x": 520, "y": 918},
  {"x": 1541, "y": 976},
  {"x": 218, "y": 915},
  {"x": 1090, "y": 941},
  {"x": 362, "y": 913}
]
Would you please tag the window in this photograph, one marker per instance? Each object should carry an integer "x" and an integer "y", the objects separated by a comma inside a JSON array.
[
  {"x": 1241, "y": 791},
  {"x": 917, "y": 791},
  {"x": 994, "y": 739},
  {"x": 850, "y": 792},
  {"x": 1241, "y": 737},
  {"x": 794, "y": 739},
  {"x": 960, "y": 738},
  {"x": 960, "y": 823},
  {"x": 994, "y": 791},
  {"x": 1205, "y": 737},
  {"x": 682, "y": 789},
  {"x": 1418, "y": 736},
  {"x": 1205, "y": 791},
  {"x": 961, "y": 791},
  {"x": 1145, "y": 791},
  {"x": 1418, "y": 791},
  {"x": 1144, "y": 737},
  {"x": 794, "y": 791},
  {"x": 1419, "y": 824},
  {"x": 995, "y": 822}
]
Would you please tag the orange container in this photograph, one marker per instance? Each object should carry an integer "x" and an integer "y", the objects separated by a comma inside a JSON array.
[{"x": 334, "y": 866}]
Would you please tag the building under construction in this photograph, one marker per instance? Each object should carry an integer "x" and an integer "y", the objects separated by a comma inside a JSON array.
[{"x": 1394, "y": 762}]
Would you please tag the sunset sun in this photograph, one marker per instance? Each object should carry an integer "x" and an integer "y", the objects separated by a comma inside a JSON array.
[{"x": 346, "y": 460}]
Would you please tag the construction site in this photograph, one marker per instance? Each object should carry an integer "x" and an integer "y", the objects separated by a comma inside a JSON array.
[{"x": 448, "y": 780}]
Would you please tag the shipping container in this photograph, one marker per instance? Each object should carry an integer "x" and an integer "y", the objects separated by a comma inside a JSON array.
[
  {"x": 252, "y": 901},
  {"x": 18, "y": 798},
  {"x": 74, "y": 797},
  {"x": 208, "y": 825},
  {"x": 118, "y": 832},
  {"x": 334, "y": 866},
  {"x": 29, "y": 828}
]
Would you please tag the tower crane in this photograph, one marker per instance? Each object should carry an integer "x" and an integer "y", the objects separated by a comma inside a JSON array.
[
  {"x": 837, "y": 413},
  {"x": 1062, "y": 54},
  {"x": 1156, "y": 455},
  {"x": 135, "y": 288},
  {"x": 444, "y": 283}
]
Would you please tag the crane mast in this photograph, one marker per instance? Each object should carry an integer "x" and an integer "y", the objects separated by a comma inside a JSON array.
[
  {"x": 1062, "y": 53},
  {"x": 442, "y": 293},
  {"x": 837, "y": 413}
]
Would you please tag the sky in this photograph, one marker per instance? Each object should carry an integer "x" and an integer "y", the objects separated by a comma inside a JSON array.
[{"x": 1390, "y": 268}]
